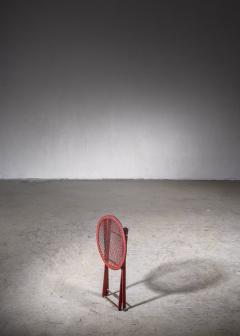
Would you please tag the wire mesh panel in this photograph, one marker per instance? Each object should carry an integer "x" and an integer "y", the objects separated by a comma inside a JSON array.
[{"x": 111, "y": 241}]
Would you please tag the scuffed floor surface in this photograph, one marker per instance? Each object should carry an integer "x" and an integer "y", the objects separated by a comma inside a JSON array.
[{"x": 183, "y": 266}]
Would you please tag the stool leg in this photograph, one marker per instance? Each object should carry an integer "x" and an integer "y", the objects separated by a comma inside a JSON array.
[
  {"x": 105, "y": 282},
  {"x": 120, "y": 292},
  {"x": 124, "y": 286}
]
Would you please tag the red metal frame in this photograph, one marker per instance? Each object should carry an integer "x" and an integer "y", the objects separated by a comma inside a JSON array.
[
  {"x": 121, "y": 230},
  {"x": 122, "y": 265}
]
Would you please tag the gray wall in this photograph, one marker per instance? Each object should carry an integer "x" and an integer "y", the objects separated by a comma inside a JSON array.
[{"x": 108, "y": 89}]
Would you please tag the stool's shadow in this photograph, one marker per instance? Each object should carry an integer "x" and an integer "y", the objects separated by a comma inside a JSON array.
[{"x": 181, "y": 277}]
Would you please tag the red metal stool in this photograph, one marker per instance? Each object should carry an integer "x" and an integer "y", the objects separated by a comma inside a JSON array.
[{"x": 112, "y": 245}]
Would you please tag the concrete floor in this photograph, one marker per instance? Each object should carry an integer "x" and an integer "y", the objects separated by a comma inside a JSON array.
[{"x": 183, "y": 266}]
